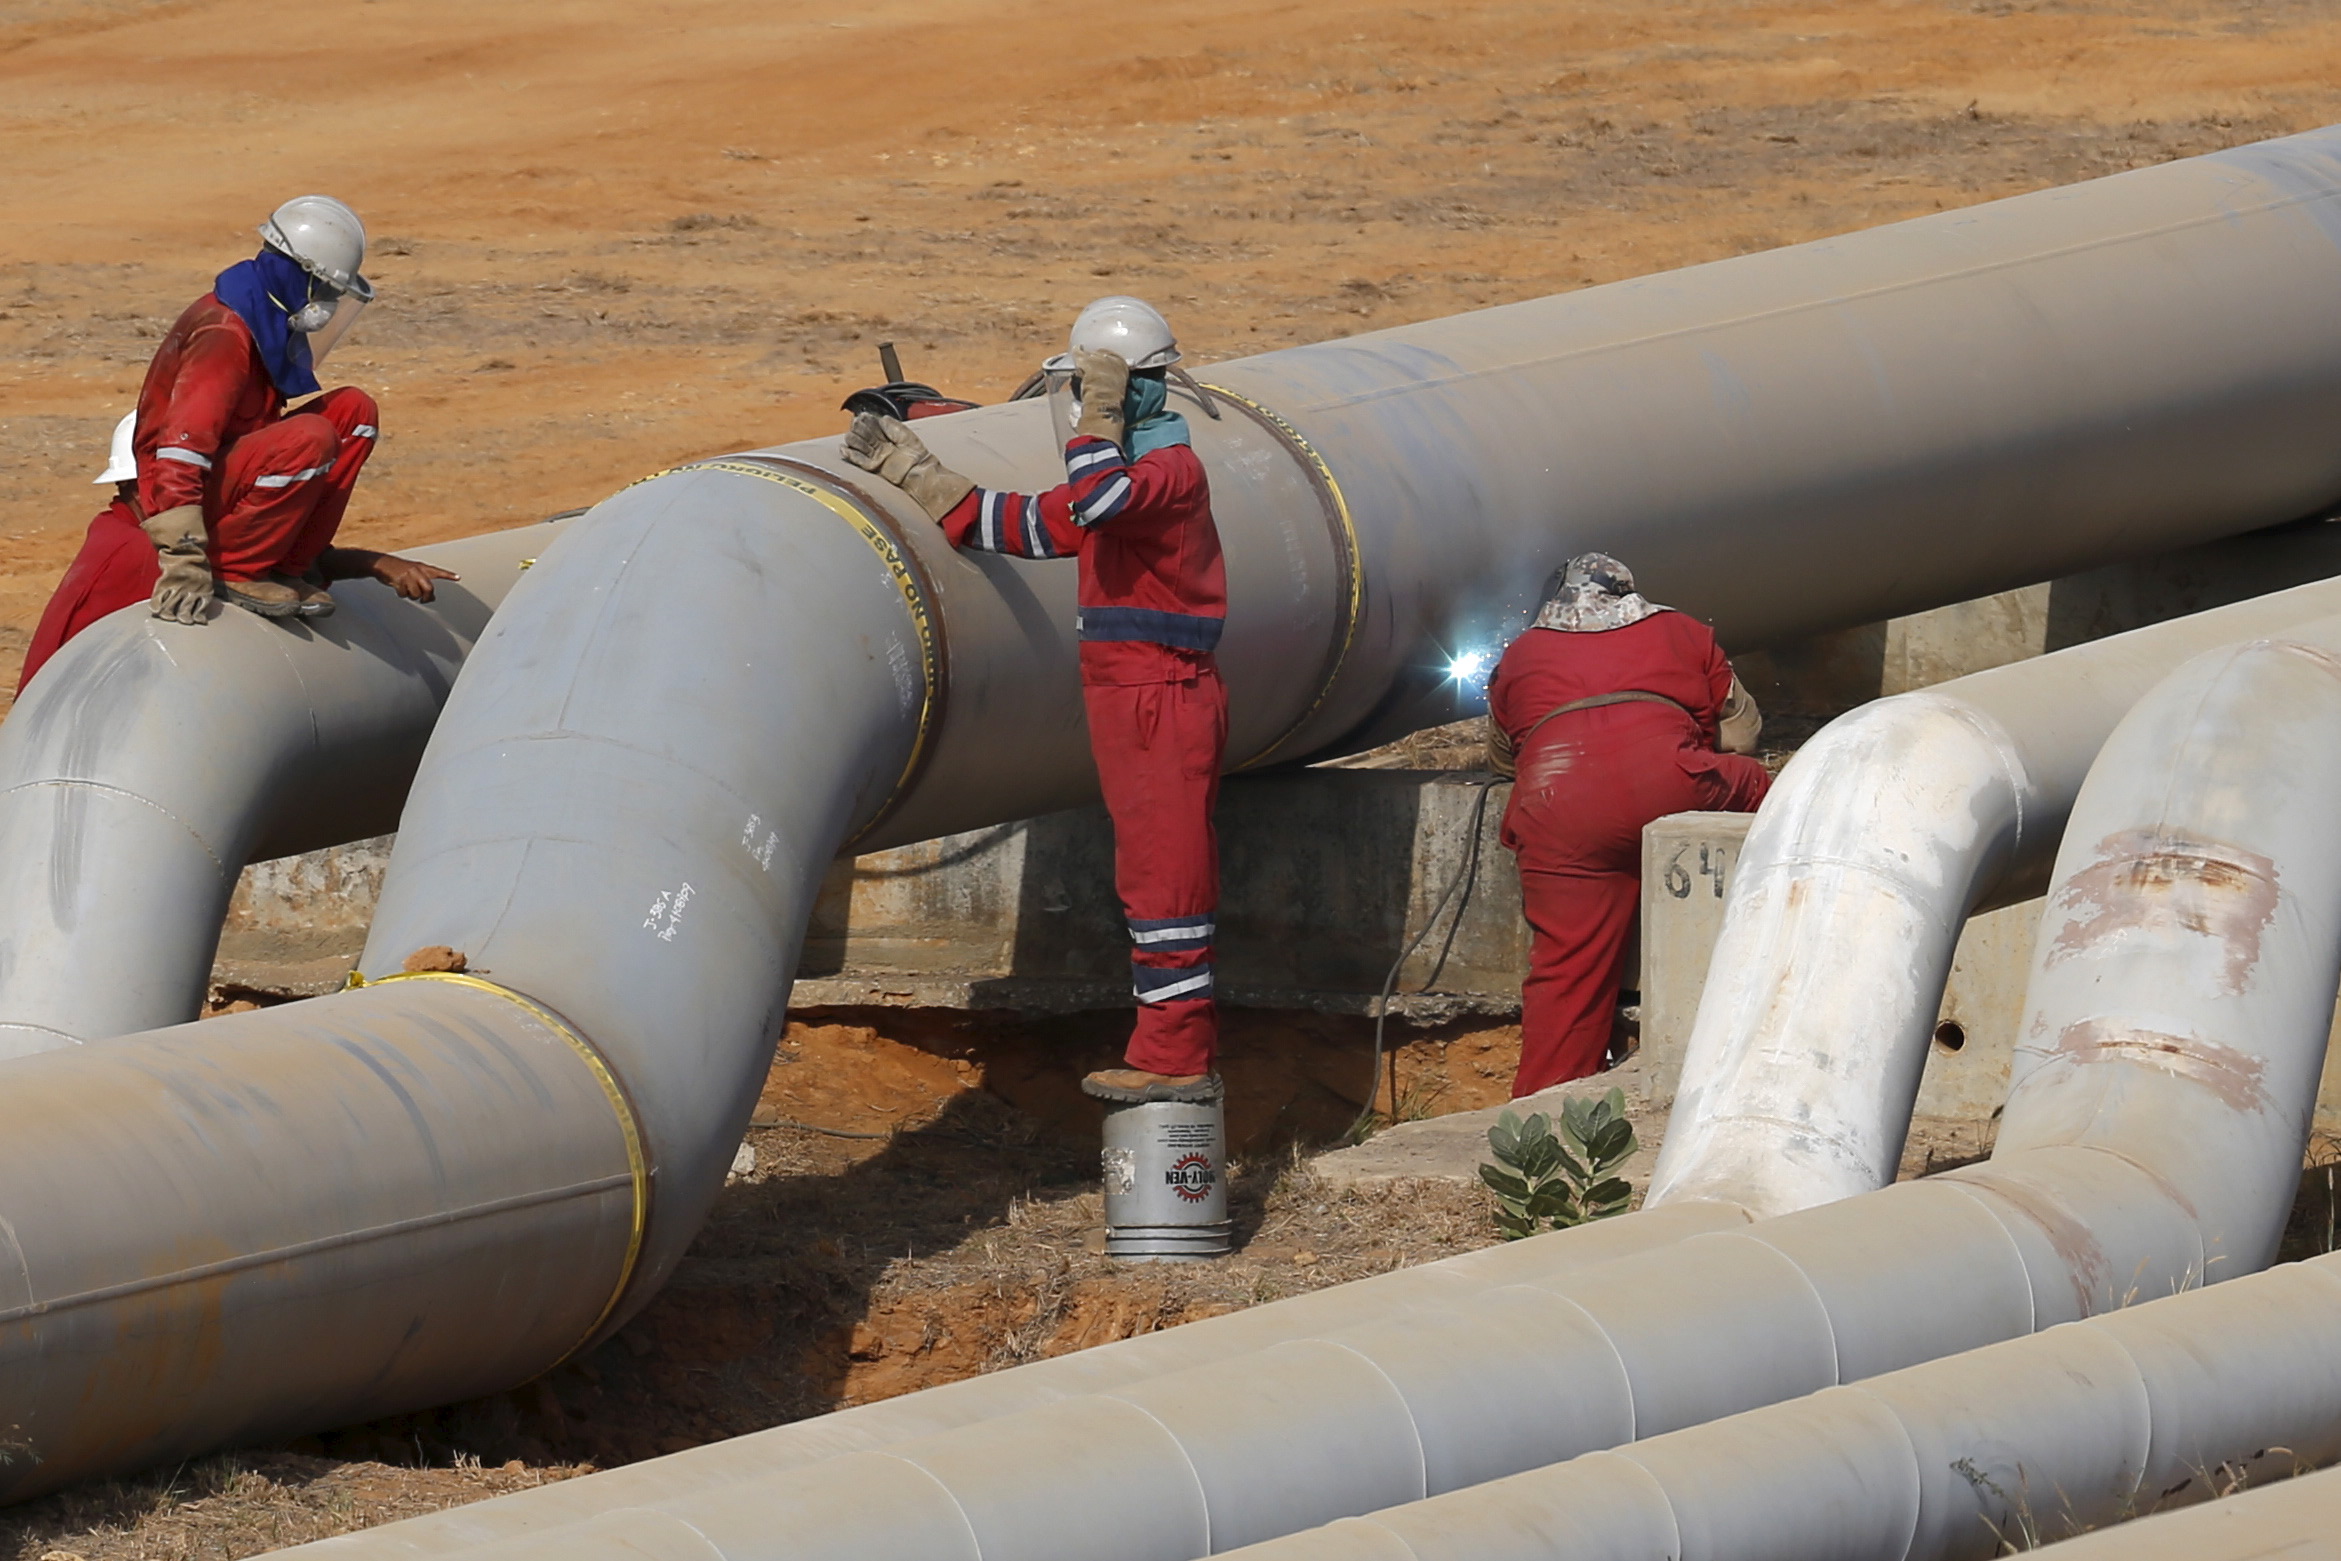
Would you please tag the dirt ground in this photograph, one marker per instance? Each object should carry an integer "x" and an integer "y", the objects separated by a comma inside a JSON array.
[{"x": 611, "y": 237}]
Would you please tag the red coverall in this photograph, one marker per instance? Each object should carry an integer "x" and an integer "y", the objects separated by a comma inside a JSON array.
[
  {"x": 1587, "y": 782},
  {"x": 115, "y": 567},
  {"x": 212, "y": 431},
  {"x": 1153, "y": 599}
]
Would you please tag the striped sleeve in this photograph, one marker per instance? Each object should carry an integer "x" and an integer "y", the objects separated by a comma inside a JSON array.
[
  {"x": 1097, "y": 479},
  {"x": 1022, "y": 525}
]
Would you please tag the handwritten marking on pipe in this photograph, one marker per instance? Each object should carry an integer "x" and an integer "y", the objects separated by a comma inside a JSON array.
[
  {"x": 762, "y": 850},
  {"x": 668, "y": 909}
]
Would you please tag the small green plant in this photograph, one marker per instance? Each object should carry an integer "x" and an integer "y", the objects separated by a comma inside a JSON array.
[{"x": 1542, "y": 1181}]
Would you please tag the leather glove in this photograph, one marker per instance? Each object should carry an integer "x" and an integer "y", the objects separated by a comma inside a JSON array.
[
  {"x": 886, "y": 446},
  {"x": 1740, "y": 723},
  {"x": 1501, "y": 758},
  {"x": 183, "y": 594},
  {"x": 1105, "y": 384}
]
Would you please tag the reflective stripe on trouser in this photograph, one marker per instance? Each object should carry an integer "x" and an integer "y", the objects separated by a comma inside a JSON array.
[
  {"x": 277, "y": 495},
  {"x": 1158, "y": 748}
]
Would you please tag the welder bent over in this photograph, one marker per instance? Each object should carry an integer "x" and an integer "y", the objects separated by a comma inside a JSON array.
[{"x": 1613, "y": 711}]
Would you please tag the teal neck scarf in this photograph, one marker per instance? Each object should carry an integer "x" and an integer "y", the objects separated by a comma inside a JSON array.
[{"x": 1148, "y": 423}]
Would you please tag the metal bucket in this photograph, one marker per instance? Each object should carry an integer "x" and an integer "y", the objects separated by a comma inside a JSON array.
[{"x": 1166, "y": 1182}]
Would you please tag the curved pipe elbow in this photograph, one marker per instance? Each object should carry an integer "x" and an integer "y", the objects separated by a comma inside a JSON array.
[
  {"x": 2182, "y": 983},
  {"x": 1847, "y": 902},
  {"x": 150, "y": 761}
]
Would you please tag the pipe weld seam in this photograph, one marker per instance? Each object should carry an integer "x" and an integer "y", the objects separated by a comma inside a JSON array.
[
  {"x": 975, "y": 1545},
  {"x": 68, "y": 781},
  {"x": 301, "y": 1249},
  {"x": 1352, "y": 555},
  {"x": 1194, "y": 1475},
  {"x": 621, "y": 1106},
  {"x": 1625, "y": 1371},
  {"x": 897, "y": 558}
]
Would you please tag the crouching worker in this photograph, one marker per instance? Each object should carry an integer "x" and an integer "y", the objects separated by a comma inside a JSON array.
[
  {"x": 1135, "y": 511},
  {"x": 117, "y": 564},
  {"x": 1613, "y": 711},
  {"x": 241, "y": 497}
]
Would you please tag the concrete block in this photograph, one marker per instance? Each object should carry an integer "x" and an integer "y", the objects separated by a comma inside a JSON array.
[{"x": 1326, "y": 876}]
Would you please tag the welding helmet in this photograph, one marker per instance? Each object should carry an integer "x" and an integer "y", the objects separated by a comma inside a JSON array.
[
  {"x": 1130, "y": 327},
  {"x": 324, "y": 238}
]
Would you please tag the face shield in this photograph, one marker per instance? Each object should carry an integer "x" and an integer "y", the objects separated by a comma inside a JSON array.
[
  {"x": 1063, "y": 387},
  {"x": 338, "y": 315}
]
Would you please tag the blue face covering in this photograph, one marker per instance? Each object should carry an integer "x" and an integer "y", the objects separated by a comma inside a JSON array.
[
  {"x": 264, "y": 291},
  {"x": 1147, "y": 421}
]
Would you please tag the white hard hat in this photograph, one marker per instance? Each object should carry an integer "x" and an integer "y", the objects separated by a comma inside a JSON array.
[
  {"x": 121, "y": 461},
  {"x": 327, "y": 239},
  {"x": 1129, "y": 326}
]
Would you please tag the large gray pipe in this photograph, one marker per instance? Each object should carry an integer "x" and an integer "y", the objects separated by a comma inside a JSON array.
[
  {"x": 1885, "y": 832},
  {"x": 2150, "y": 1144},
  {"x": 150, "y": 761},
  {"x": 1995, "y": 1451},
  {"x": 2175, "y": 1025},
  {"x": 719, "y": 678},
  {"x": 2066, "y": 704}
]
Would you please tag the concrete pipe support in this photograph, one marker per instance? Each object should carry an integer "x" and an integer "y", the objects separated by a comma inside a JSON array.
[
  {"x": 719, "y": 678},
  {"x": 150, "y": 761}
]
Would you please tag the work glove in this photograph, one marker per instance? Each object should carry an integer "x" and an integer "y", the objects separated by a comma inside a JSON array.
[
  {"x": 1105, "y": 384},
  {"x": 886, "y": 446},
  {"x": 1740, "y": 723},
  {"x": 184, "y": 592}
]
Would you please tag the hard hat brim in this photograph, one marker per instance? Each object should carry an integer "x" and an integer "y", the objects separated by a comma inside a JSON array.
[{"x": 1062, "y": 363}]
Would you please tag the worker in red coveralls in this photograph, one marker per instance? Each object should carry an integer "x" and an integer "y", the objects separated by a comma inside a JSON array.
[
  {"x": 1614, "y": 711},
  {"x": 239, "y": 497},
  {"x": 116, "y": 566},
  {"x": 1136, "y": 511}
]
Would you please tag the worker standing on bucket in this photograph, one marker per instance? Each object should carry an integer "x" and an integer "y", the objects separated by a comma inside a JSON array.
[
  {"x": 1136, "y": 511},
  {"x": 1614, "y": 711}
]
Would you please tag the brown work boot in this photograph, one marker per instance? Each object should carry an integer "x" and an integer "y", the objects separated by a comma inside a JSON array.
[
  {"x": 268, "y": 598},
  {"x": 1137, "y": 1087},
  {"x": 315, "y": 600}
]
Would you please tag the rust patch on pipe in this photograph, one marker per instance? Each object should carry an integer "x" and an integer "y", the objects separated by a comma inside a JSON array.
[
  {"x": 2146, "y": 881},
  {"x": 2086, "y": 1265},
  {"x": 2238, "y": 1078}
]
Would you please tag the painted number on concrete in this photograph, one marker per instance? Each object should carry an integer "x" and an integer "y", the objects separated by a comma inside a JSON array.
[{"x": 1682, "y": 875}]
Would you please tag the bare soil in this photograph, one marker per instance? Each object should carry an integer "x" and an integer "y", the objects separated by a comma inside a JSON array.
[{"x": 614, "y": 236}]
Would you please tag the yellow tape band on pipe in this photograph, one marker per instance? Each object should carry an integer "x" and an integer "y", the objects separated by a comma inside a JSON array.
[
  {"x": 890, "y": 553},
  {"x": 637, "y": 1160},
  {"x": 1352, "y": 563}
]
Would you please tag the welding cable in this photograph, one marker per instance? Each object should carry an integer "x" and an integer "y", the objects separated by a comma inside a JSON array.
[{"x": 1464, "y": 874}]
